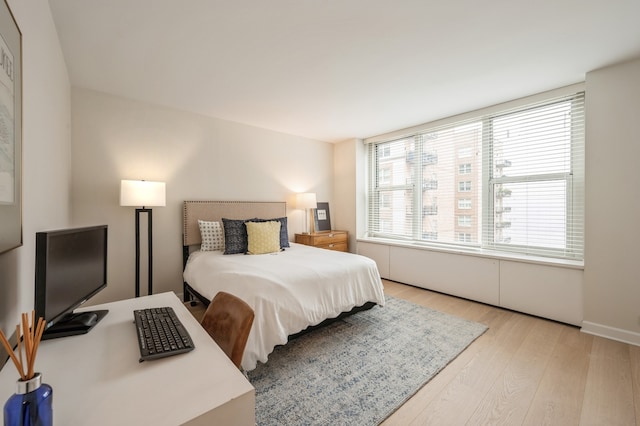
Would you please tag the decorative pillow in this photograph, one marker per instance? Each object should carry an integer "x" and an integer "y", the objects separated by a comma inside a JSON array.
[
  {"x": 212, "y": 235},
  {"x": 284, "y": 233},
  {"x": 235, "y": 236},
  {"x": 263, "y": 237}
]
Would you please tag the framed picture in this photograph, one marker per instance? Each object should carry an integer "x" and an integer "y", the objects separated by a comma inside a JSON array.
[
  {"x": 321, "y": 218},
  {"x": 10, "y": 130}
]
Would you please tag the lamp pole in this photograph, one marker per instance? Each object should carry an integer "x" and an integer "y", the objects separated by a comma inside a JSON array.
[{"x": 149, "y": 248}]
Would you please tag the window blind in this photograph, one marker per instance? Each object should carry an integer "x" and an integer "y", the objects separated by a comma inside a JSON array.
[{"x": 511, "y": 180}]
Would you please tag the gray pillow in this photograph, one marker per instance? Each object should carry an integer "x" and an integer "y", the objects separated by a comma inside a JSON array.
[{"x": 235, "y": 235}]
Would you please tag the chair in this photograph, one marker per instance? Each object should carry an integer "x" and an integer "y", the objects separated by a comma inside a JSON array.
[{"x": 228, "y": 321}]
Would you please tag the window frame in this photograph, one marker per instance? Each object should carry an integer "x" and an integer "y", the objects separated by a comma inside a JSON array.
[{"x": 573, "y": 179}]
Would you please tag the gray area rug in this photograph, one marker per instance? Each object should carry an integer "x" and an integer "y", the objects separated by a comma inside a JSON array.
[{"x": 359, "y": 370}]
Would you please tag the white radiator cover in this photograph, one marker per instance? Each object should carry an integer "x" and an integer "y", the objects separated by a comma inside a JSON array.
[{"x": 552, "y": 292}]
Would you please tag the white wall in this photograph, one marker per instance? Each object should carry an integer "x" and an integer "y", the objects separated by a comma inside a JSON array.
[
  {"x": 345, "y": 191},
  {"x": 612, "y": 255},
  {"x": 198, "y": 157},
  {"x": 349, "y": 167},
  {"x": 46, "y": 159}
]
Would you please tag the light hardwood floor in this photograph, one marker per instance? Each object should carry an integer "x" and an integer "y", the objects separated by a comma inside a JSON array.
[{"x": 524, "y": 371}]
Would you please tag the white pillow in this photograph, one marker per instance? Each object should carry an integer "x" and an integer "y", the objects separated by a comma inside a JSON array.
[{"x": 212, "y": 235}]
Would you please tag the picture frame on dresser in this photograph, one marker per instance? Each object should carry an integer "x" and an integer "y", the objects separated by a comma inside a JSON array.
[
  {"x": 321, "y": 218},
  {"x": 11, "y": 130}
]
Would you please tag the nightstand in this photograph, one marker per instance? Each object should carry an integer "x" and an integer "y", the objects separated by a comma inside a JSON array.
[{"x": 331, "y": 240}]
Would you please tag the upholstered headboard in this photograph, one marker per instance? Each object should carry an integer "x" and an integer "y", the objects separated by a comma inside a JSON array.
[{"x": 216, "y": 210}]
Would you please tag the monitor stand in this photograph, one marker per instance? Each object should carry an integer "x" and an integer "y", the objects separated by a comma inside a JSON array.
[{"x": 74, "y": 323}]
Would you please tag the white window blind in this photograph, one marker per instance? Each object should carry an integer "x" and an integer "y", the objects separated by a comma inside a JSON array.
[{"x": 509, "y": 181}]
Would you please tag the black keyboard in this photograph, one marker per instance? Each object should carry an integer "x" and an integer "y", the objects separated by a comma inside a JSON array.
[{"x": 160, "y": 333}]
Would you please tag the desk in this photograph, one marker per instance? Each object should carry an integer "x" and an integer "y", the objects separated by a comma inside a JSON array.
[{"x": 97, "y": 379}]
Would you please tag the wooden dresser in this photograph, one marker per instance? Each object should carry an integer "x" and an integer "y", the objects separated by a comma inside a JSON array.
[{"x": 331, "y": 240}]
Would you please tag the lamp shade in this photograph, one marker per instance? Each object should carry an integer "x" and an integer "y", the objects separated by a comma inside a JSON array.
[
  {"x": 142, "y": 193},
  {"x": 306, "y": 200}
]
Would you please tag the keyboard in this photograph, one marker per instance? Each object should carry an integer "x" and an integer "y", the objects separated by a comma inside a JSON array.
[{"x": 160, "y": 333}]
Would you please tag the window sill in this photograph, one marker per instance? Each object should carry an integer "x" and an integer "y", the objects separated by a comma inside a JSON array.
[{"x": 499, "y": 255}]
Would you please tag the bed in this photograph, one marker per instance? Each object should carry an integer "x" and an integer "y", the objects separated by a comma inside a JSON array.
[{"x": 290, "y": 290}]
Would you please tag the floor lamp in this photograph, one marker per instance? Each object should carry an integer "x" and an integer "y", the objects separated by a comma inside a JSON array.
[
  {"x": 145, "y": 194},
  {"x": 306, "y": 201}
]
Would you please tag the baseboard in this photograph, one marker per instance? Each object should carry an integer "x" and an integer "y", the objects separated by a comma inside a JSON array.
[{"x": 624, "y": 336}]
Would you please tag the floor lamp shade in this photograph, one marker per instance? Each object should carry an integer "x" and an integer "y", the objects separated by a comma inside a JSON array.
[{"x": 142, "y": 193}]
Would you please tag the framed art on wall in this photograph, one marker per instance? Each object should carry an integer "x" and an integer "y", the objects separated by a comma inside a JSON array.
[
  {"x": 321, "y": 218},
  {"x": 10, "y": 130}
]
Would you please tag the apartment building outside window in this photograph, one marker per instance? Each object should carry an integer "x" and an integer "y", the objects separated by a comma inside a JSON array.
[{"x": 510, "y": 180}]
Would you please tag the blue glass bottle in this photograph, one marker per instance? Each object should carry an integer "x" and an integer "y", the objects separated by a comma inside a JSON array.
[{"x": 31, "y": 405}]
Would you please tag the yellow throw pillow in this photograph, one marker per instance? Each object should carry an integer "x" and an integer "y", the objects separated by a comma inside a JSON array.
[{"x": 263, "y": 237}]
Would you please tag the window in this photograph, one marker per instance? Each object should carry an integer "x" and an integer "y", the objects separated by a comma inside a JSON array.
[
  {"x": 464, "y": 203},
  {"x": 385, "y": 151},
  {"x": 385, "y": 176},
  {"x": 523, "y": 181},
  {"x": 464, "y": 237},
  {"x": 464, "y": 169},
  {"x": 464, "y": 186},
  {"x": 464, "y": 221},
  {"x": 385, "y": 200}
]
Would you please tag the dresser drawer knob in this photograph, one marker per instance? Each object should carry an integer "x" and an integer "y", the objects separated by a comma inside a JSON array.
[
  {"x": 331, "y": 245},
  {"x": 330, "y": 235}
]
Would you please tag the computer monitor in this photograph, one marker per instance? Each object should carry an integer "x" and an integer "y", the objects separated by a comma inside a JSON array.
[{"x": 71, "y": 267}]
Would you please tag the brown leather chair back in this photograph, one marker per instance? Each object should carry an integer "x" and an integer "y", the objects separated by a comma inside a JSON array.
[{"x": 228, "y": 321}]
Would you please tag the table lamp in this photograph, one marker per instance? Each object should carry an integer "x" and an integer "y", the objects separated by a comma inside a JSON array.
[{"x": 306, "y": 201}]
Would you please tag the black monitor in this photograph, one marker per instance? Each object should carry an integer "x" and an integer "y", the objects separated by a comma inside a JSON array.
[{"x": 71, "y": 267}]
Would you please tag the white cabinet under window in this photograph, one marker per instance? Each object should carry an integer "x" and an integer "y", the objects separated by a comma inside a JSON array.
[{"x": 548, "y": 291}]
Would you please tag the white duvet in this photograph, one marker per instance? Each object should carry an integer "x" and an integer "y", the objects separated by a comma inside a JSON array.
[{"x": 288, "y": 291}]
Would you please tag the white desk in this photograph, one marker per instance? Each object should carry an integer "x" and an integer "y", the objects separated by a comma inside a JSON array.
[{"x": 97, "y": 379}]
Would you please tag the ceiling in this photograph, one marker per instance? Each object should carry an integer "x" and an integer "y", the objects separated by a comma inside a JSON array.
[{"x": 332, "y": 70}]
